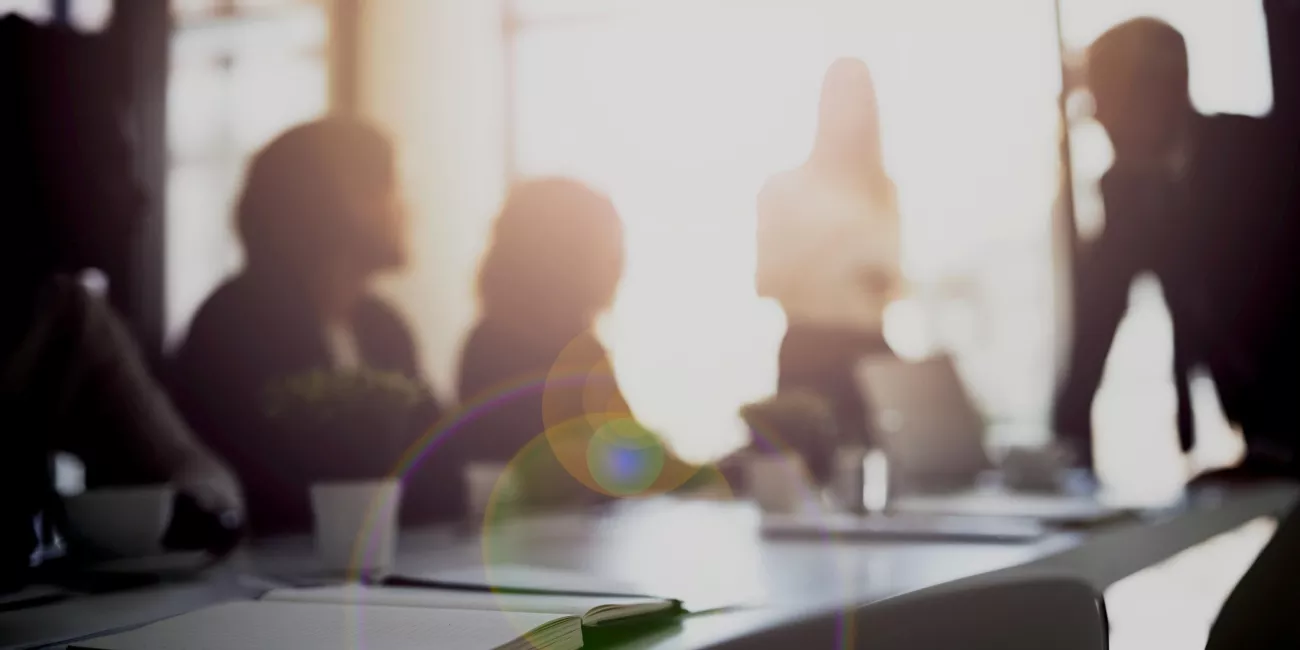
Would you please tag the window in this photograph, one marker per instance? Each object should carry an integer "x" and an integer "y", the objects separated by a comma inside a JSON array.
[
  {"x": 242, "y": 71},
  {"x": 681, "y": 110},
  {"x": 83, "y": 15},
  {"x": 35, "y": 10}
]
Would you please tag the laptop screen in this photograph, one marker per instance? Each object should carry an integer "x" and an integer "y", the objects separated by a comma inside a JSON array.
[{"x": 925, "y": 421}]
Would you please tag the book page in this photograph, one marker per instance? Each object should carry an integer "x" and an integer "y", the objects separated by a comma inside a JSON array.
[
  {"x": 470, "y": 600},
  {"x": 288, "y": 626}
]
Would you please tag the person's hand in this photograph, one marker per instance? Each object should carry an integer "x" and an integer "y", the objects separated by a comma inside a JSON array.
[
  {"x": 208, "y": 511},
  {"x": 214, "y": 487}
]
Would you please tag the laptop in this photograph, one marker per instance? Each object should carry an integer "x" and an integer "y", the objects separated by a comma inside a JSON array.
[{"x": 933, "y": 435}]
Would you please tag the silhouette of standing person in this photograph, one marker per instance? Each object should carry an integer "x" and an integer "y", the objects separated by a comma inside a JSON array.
[
  {"x": 828, "y": 249},
  {"x": 1191, "y": 199}
]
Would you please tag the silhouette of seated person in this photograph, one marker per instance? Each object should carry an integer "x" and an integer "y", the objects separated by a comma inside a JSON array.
[
  {"x": 71, "y": 377},
  {"x": 536, "y": 386},
  {"x": 1193, "y": 200},
  {"x": 319, "y": 218}
]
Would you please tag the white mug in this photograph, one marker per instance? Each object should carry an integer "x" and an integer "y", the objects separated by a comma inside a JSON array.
[
  {"x": 356, "y": 524},
  {"x": 484, "y": 483},
  {"x": 122, "y": 521},
  {"x": 779, "y": 483}
]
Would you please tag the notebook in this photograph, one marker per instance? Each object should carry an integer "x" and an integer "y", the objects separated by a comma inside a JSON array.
[
  {"x": 384, "y": 618},
  {"x": 290, "y": 626}
]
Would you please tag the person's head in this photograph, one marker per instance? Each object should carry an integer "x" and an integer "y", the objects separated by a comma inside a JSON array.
[
  {"x": 1138, "y": 75},
  {"x": 555, "y": 258},
  {"x": 848, "y": 126},
  {"x": 72, "y": 197},
  {"x": 323, "y": 196}
]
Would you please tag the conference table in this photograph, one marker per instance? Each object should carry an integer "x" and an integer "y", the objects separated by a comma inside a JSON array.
[{"x": 709, "y": 553}]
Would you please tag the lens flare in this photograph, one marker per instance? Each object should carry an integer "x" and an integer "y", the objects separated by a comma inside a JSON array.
[{"x": 624, "y": 458}]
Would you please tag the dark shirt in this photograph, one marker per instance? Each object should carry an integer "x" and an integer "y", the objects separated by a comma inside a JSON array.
[
  {"x": 538, "y": 400},
  {"x": 250, "y": 334}
]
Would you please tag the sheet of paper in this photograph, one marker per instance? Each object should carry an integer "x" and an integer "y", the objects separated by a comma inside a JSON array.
[
  {"x": 289, "y": 626},
  {"x": 457, "y": 599}
]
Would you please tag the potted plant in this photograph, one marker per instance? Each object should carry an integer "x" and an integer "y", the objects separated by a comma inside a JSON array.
[{"x": 347, "y": 424}]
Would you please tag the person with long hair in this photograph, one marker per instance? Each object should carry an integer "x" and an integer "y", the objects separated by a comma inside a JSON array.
[
  {"x": 319, "y": 219},
  {"x": 533, "y": 372},
  {"x": 828, "y": 249}
]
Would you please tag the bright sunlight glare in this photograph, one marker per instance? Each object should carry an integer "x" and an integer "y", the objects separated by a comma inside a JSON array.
[{"x": 682, "y": 120}]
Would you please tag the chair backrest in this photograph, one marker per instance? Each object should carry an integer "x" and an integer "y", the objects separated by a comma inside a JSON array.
[
  {"x": 1263, "y": 610},
  {"x": 978, "y": 614}
]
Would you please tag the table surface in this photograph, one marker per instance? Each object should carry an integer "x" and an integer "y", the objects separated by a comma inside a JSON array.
[{"x": 704, "y": 552}]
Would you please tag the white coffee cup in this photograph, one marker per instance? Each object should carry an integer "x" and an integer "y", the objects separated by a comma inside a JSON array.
[
  {"x": 122, "y": 521},
  {"x": 779, "y": 483},
  {"x": 481, "y": 481},
  {"x": 356, "y": 524}
]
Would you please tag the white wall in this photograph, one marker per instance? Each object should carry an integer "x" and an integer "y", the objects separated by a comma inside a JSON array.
[{"x": 433, "y": 76}]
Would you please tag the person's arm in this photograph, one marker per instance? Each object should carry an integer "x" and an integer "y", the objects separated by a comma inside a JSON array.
[
  {"x": 119, "y": 415},
  {"x": 1104, "y": 272},
  {"x": 1099, "y": 305}
]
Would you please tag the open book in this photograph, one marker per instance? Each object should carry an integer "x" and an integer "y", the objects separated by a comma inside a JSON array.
[{"x": 388, "y": 618}]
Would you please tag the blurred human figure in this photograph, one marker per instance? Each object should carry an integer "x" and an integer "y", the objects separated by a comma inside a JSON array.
[
  {"x": 71, "y": 377},
  {"x": 1194, "y": 200},
  {"x": 828, "y": 249},
  {"x": 536, "y": 380},
  {"x": 319, "y": 218}
]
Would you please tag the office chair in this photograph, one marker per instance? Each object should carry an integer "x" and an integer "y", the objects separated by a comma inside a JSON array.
[{"x": 1263, "y": 611}]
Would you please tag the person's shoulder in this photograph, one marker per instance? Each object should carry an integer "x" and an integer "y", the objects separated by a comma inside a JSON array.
[
  {"x": 1235, "y": 121},
  {"x": 585, "y": 349},
  {"x": 778, "y": 196},
  {"x": 227, "y": 313},
  {"x": 379, "y": 311},
  {"x": 1230, "y": 130},
  {"x": 490, "y": 339},
  {"x": 234, "y": 295},
  {"x": 1247, "y": 147},
  {"x": 783, "y": 184},
  {"x": 480, "y": 333},
  {"x": 386, "y": 326}
]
